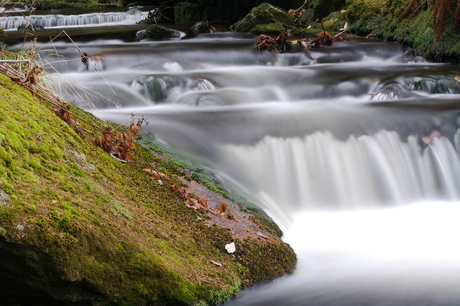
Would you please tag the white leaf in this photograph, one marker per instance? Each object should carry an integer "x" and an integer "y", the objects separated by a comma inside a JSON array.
[{"x": 230, "y": 247}]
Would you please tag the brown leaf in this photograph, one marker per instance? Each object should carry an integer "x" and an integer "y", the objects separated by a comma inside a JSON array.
[
  {"x": 174, "y": 186},
  {"x": 184, "y": 191},
  {"x": 153, "y": 173},
  {"x": 222, "y": 208},
  {"x": 203, "y": 202}
]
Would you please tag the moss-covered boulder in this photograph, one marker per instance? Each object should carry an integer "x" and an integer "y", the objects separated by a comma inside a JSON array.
[
  {"x": 187, "y": 12},
  {"x": 263, "y": 14},
  {"x": 78, "y": 226},
  {"x": 318, "y": 9},
  {"x": 158, "y": 32},
  {"x": 384, "y": 19}
]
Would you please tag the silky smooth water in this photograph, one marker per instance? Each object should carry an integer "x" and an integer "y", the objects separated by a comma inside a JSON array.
[{"x": 334, "y": 143}]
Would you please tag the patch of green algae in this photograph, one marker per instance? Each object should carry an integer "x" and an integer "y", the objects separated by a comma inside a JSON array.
[{"x": 106, "y": 226}]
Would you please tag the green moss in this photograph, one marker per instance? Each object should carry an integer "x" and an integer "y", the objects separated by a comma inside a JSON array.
[
  {"x": 416, "y": 30},
  {"x": 268, "y": 29},
  {"x": 263, "y": 14},
  {"x": 158, "y": 32},
  {"x": 35, "y": 163},
  {"x": 187, "y": 12},
  {"x": 318, "y": 9},
  {"x": 308, "y": 32}
]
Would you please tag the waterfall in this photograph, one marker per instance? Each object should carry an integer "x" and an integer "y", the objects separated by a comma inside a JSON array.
[
  {"x": 320, "y": 172},
  {"x": 48, "y": 21}
]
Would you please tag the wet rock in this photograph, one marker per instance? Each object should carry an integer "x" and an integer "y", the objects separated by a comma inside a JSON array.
[
  {"x": 30, "y": 27},
  {"x": 203, "y": 27},
  {"x": 157, "y": 32}
]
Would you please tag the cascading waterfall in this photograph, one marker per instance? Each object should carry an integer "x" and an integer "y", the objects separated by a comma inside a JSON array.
[
  {"x": 321, "y": 172},
  {"x": 49, "y": 21}
]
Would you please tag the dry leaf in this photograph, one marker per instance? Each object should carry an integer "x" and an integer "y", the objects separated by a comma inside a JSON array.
[
  {"x": 184, "y": 191},
  {"x": 174, "y": 186},
  {"x": 222, "y": 208},
  {"x": 203, "y": 202}
]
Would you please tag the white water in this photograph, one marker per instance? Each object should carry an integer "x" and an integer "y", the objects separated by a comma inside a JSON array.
[
  {"x": 59, "y": 20},
  {"x": 394, "y": 256},
  {"x": 319, "y": 172}
]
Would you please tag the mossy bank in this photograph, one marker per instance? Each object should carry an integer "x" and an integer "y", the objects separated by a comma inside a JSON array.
[
  {"x": 433, "y": 36},
  {"x": 78, "y": 227}
]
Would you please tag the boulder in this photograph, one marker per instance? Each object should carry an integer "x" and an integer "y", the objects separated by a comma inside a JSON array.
[
  {"x": 202, "y": 27},
  {"x": 157, "y": 32},
  {"x": 263, "y": 14},
  {"x": 319, "y": 9}
]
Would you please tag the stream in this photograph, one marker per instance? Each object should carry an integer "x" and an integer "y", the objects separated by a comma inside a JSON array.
[{"x": 353, "y": 149}]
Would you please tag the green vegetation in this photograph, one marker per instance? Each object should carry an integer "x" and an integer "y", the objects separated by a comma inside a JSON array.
[
  {"x": 264, "y": 14},
  {"x": 78, "y": 218}
]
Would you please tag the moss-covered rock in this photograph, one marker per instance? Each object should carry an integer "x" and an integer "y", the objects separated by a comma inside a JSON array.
[
  {"x": 263, "y": 14},
  {"x": 158, "y": 32},
  {"x": 78, "y": 226},
  {"x": 318, "y": 9},
  {"x": 382, "y": 18},
  {"x": 268, "y": 29}
]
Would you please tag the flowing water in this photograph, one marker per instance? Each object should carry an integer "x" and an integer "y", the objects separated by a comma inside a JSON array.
[{"x": 353, "y": 149}]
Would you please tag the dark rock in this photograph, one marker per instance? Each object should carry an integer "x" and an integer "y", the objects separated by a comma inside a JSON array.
[
  {"x": 30, "y": 277},
  {"x": 203, "y": 27},
  {"x": 30, "y": 27}
]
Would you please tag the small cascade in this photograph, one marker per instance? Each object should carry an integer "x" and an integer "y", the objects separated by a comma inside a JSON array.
[
  {"x": 319, "y": 172},
  {"x": 165, "y": 88},
  {"x": 50, "y": 21}
]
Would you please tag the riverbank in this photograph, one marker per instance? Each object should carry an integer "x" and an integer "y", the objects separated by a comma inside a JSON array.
[
  {"x": 78, "y": 226},
  {"x": 434, "y": 36}
]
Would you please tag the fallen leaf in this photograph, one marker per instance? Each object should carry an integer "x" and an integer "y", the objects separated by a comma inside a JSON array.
[
  {"x": 203, "y": 202},
  {"x": 231, "y": 248},
  {"x": 222, "y": 208}
]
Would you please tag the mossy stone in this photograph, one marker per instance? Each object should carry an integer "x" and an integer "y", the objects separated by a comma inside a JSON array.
[
  {"x": 187, "y": 12},
  {"x": 263, "y": 14},
  {"x": 158, "y": 32}
]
